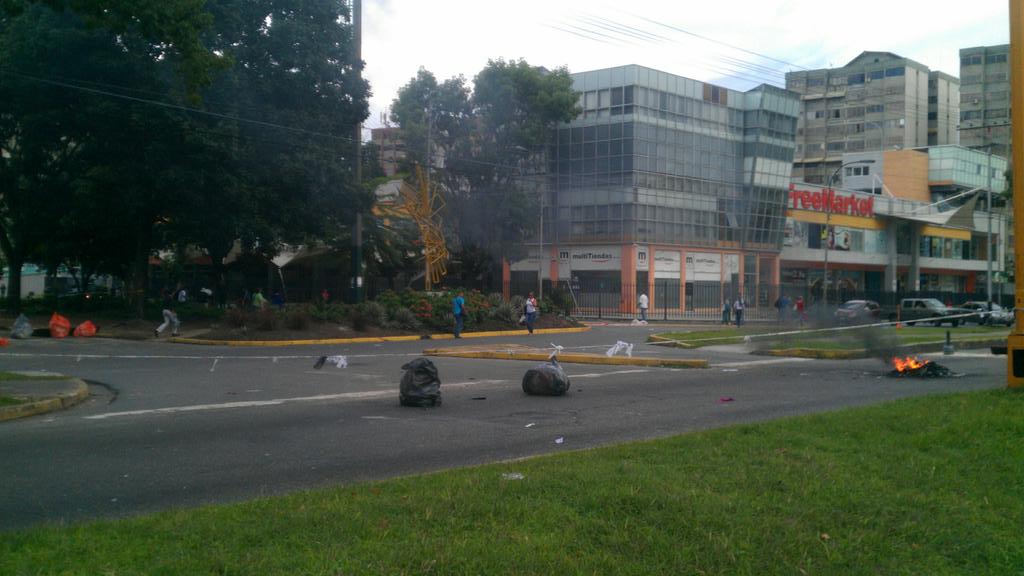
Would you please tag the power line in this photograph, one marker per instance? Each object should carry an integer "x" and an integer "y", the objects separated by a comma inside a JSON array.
[{"x": 179, "y": 107}]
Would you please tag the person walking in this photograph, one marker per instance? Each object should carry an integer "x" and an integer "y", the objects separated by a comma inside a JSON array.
[
  {"x": 737, "y": 310},
  {"x": 800, "y": 310},
  {"x": 459, "y": 311},
  {"x": 726, "y": 312},
  {"x": 170, "y": 316},
  {"x": 259, "y": 301},
  {"x": 642, "y": 304},
  {"x": 531, "y": 311}
]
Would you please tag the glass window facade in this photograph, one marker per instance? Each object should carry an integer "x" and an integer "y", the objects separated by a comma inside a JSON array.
[
  {"x": 966, "y": 167},
  {"x": 669, "y": 160}
]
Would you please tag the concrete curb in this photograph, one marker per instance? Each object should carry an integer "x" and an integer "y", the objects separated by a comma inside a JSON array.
[
  {"x": 372, "y": 339},
  {"x": 58, "y": 402},
  {"x": 570, "y": 358},
  {"x": 860, "y": 353}
]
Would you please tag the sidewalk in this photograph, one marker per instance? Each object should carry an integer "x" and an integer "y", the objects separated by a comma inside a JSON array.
[{"x": 41, "y": 395}]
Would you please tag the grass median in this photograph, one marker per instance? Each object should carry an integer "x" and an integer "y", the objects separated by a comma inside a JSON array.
[{"x": 929, "y": 485}]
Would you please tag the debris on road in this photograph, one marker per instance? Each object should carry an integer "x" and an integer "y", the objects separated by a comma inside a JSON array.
[
  {"x": 725, "y": 399},
  {"x": 421, "y": 385},
  {"x": 555, "y": 349},
  {"x": 479, "y": 398},
  {"x": 560, "y": 440},
  {"x": 339, "y": 361},
  {"x": 530, "y": 425},
  {"x": 546, "y": 380},
  {"x": 620, "y": 346},
  {"x": 22, "y": 328}
]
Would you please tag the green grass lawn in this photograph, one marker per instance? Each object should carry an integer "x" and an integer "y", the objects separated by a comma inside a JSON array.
[
  {"x": 836, "y": 340},
  {"x": 9, "y": 401},
  {"x": 930, "y": 485}
]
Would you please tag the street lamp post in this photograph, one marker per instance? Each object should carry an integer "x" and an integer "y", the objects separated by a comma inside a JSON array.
[
  {"x": 988, "y": 236},
  {"x": 828, "y": 220}
]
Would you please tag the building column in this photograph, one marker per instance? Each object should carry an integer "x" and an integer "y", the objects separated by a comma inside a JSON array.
[
  {"x": 627, "y": 280},
  {"x": 915, "y": 258},
  {"x": 892, "y": 268},
  {"x": 682, "y": 281},
  {"x": 553, "y": 268}
]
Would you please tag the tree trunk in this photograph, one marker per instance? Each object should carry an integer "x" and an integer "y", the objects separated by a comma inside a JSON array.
[
  {"x": 139, "y": 278},
  {"x": 217, "y": 265},
  {"x": 15, "y": 260},
  {"x": 14, "y": 264}
]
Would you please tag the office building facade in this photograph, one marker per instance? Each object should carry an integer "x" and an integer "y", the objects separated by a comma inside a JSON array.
[
  {"x": 878, "y": 101},
  {"x": 665, "y": 179},
  {"x": 985, "y": 98},
  {"x": 895, "y": 233}
]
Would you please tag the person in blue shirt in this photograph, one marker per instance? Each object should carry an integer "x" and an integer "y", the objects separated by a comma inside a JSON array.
[{"x": 459, "y": 311}]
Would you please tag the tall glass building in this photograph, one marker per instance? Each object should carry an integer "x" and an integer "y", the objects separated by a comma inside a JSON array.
[{"x": 663, "y": 183}]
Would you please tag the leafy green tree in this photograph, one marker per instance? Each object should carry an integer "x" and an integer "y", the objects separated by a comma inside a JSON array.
[{"x": 493, "y": 147}]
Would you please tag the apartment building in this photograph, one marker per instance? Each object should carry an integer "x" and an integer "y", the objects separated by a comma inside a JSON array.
[
  {"x": 985, "y": 98},
  {"x": 878, "y": 101}
]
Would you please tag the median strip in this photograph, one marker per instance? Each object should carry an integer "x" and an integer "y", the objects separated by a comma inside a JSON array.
[
  {"x": 514, "y": 352},
  {"x": 373, "y": 339}
]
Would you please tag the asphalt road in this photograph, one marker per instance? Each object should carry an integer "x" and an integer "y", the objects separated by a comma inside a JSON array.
[{"x": 176, "y": 425}]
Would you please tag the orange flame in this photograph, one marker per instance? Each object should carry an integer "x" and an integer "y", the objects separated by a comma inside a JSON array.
[{"x": 908, "y": 363}]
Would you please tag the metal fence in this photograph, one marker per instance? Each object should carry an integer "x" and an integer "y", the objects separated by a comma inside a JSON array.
[{"x": 704, "y": 301}]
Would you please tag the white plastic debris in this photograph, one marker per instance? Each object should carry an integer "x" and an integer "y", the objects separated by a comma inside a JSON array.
[
  {"x": 530, "y": 425},
  {"x": 512, "y": 476},
  {"x": 620, "y": 346},
  {"x": 555, "y": 349},
  {"x": 560, "y": 440},
  {"x": 339, "y": 361},
  {"x": 214, "y": 367},
  {"x": 636, "y": 322}
]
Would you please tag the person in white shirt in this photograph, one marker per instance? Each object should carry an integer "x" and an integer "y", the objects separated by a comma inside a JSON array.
[
  {"x": 642, "y": 304},
  {"x": 737, "y": 310},
  {"x": 531, "y": 311}
]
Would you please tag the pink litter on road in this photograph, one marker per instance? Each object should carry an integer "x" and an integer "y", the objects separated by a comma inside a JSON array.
[{"x": 724, "y": 399}]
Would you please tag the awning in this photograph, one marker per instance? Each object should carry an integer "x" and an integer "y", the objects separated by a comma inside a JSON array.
[{"x": 962, "y": 217}]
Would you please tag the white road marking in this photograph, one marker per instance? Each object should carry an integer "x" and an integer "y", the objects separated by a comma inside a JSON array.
[
  {"x": 745, "y": 363},
  {"x": 278, "y": 401},
  {"x": 612, "y": 373}
]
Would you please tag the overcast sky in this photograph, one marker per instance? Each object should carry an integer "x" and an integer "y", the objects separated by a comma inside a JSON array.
[{"x": 736, "y": 43}]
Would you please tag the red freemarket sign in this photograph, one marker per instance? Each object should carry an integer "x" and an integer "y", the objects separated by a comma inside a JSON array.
[{"x": 827, "y": 200}]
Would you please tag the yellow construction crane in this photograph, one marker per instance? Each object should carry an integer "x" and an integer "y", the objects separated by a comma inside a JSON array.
[{"x": 424, "y": 204}]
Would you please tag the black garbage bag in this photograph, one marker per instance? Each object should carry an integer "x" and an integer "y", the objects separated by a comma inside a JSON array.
[
  {"x": 420, "y": 384},
  {"x": 546, "y": 380},
  {"x": 22, "y": 327}
]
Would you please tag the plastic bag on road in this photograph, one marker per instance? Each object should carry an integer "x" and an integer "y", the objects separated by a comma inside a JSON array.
[
  {"x": 85, "y": 330},
  {"x": 59, "y": 326},
  {"x": 22, "y": 327},
  {"x": 620, "y": 346},
  {"x": 420, "y": 384},
  {"x": 546, "y": 380}
]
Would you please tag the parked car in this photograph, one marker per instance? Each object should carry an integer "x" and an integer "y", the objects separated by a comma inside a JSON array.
[
  {"x": 914, "y": 310},
  {"x": 984, "y": 316},
  {"x": 859, "y": 312}
]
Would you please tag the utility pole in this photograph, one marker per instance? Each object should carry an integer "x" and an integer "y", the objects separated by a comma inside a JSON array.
[
  {"x": 1015, "y": 343},
  {"x": 427, "y": 279},
  {"x": 357, "y": 228},
  {"x": 988, "y": 237}
]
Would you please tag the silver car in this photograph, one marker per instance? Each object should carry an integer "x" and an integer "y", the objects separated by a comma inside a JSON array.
[{"x": 997, "y": 316}]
